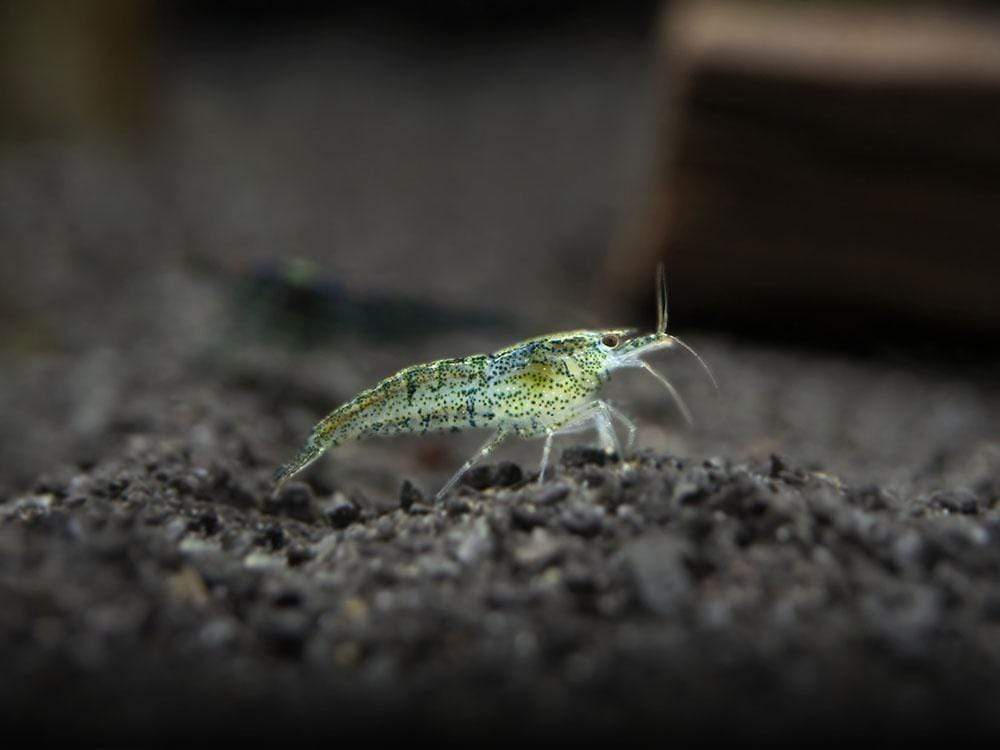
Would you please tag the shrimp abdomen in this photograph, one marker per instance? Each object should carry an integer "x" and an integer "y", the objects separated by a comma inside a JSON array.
[
  {"x": 438, "y": 396},
  {"x": 433, "y": 397}
]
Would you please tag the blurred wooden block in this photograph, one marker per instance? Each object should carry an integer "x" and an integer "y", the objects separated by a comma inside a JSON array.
[
  {"x": 72, "y": 68},
  {"x": 826, "y": 169}
]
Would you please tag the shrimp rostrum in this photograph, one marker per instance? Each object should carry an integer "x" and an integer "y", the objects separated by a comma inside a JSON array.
[{"x": 539, "y": 388}]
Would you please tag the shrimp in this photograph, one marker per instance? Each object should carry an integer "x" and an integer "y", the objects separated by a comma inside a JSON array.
[{"x": 542, "y": 387}]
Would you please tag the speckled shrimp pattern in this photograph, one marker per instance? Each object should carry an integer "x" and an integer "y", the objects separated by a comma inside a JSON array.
[{"x": 540, "y": 387}]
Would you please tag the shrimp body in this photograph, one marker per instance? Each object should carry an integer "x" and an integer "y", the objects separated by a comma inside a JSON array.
[{"x": 536, "y": 388}]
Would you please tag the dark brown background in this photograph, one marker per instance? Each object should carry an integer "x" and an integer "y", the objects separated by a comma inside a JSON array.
[{"x": 529, "y": 165}]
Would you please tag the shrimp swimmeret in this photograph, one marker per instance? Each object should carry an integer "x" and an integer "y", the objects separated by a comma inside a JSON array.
[{"x": 541, "y": 387}]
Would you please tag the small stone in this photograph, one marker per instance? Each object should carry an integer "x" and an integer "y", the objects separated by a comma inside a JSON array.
[
  {"x": 583, "y": 520},
  {"x": 869, "y": 497},
  {"x": 50, "y": 486},
  {"x": 175, "y": 530},
  {"x": 549, "y": 494},
  {"x": 297, "y": 555},
  {"x": 238, "y": 543},
  {"x": 629, "y": 477},
  {"x": 686, "y": 493},
  {"x": 263, "y": 561},
  {"x": 631, "y": 516},
  {"x": 956, "y": 501},
  {"x": 196, "y": 546},
  {"x": 341, "y": 513},
  {"x": 409, "y": 494},
  {"x": 476, "y": 545},
  {"x": 188, "y": 586},
  {"x": 579, "y": 456},
  {"x": 80, "y": 485},
  {"x": 439, "y": 568},
  {"x": 526, "y": 517},
  {"x": 507, "y": 473},
  {"x": 207, "y": 522},
  {"x": 456, "y": 506},
  {"x": 796, "y": 477},
  {"x": 294, "y": 500},
  {"x": 385, "y": 529},
  {"x": 269, "y": 535},
  {"x": 479, "y": 478},
  {"x": 538, "y": 552},
  {"x": 323, "y": 549}
]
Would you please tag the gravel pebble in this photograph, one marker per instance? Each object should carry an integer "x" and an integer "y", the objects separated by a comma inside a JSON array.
[
  {"x": 295, "y": 500},
  {"x": 341, "y": 513}
]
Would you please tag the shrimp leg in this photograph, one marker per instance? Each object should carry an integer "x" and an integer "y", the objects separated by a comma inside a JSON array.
[
  {"x": 593, "y": 415},
  {"x": 606, "y": 431},
  {"x": 629, "y": 424},
  {"x": 596, "y": 414},
  {"x": 545, "y": 456},
  {"x": 488, "y": 447}
]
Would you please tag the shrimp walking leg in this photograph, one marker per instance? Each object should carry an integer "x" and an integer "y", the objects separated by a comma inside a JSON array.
[
  {"x": 606, "y": 432},
  {"x": 545, "y": 456},
  {"x": 595, "y": 415},
  {"x": 488, "y": 447},
  {"x": 629, "y": 424}
]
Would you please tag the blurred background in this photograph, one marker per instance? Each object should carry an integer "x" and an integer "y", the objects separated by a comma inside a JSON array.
[
  {"x": 220, "y": 220},
  {"x": 245, "y": 212}
]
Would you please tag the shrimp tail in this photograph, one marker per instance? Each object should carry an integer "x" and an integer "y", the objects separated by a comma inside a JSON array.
[{"x": 312, "y": 450}]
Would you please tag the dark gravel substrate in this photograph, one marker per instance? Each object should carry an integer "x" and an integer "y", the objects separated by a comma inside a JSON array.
[{"x": 154, "y": 595}]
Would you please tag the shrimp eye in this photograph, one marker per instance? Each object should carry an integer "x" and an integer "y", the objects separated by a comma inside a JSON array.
[{"x": 611, "y": 340}]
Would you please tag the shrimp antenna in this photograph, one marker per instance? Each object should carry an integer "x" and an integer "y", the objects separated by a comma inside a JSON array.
[
  {"x": 704, "y": 365},
  {"x": 661, "y": 298},
  {"x": 661, "y": 324},
  {"x": 685, "y": 412}
]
